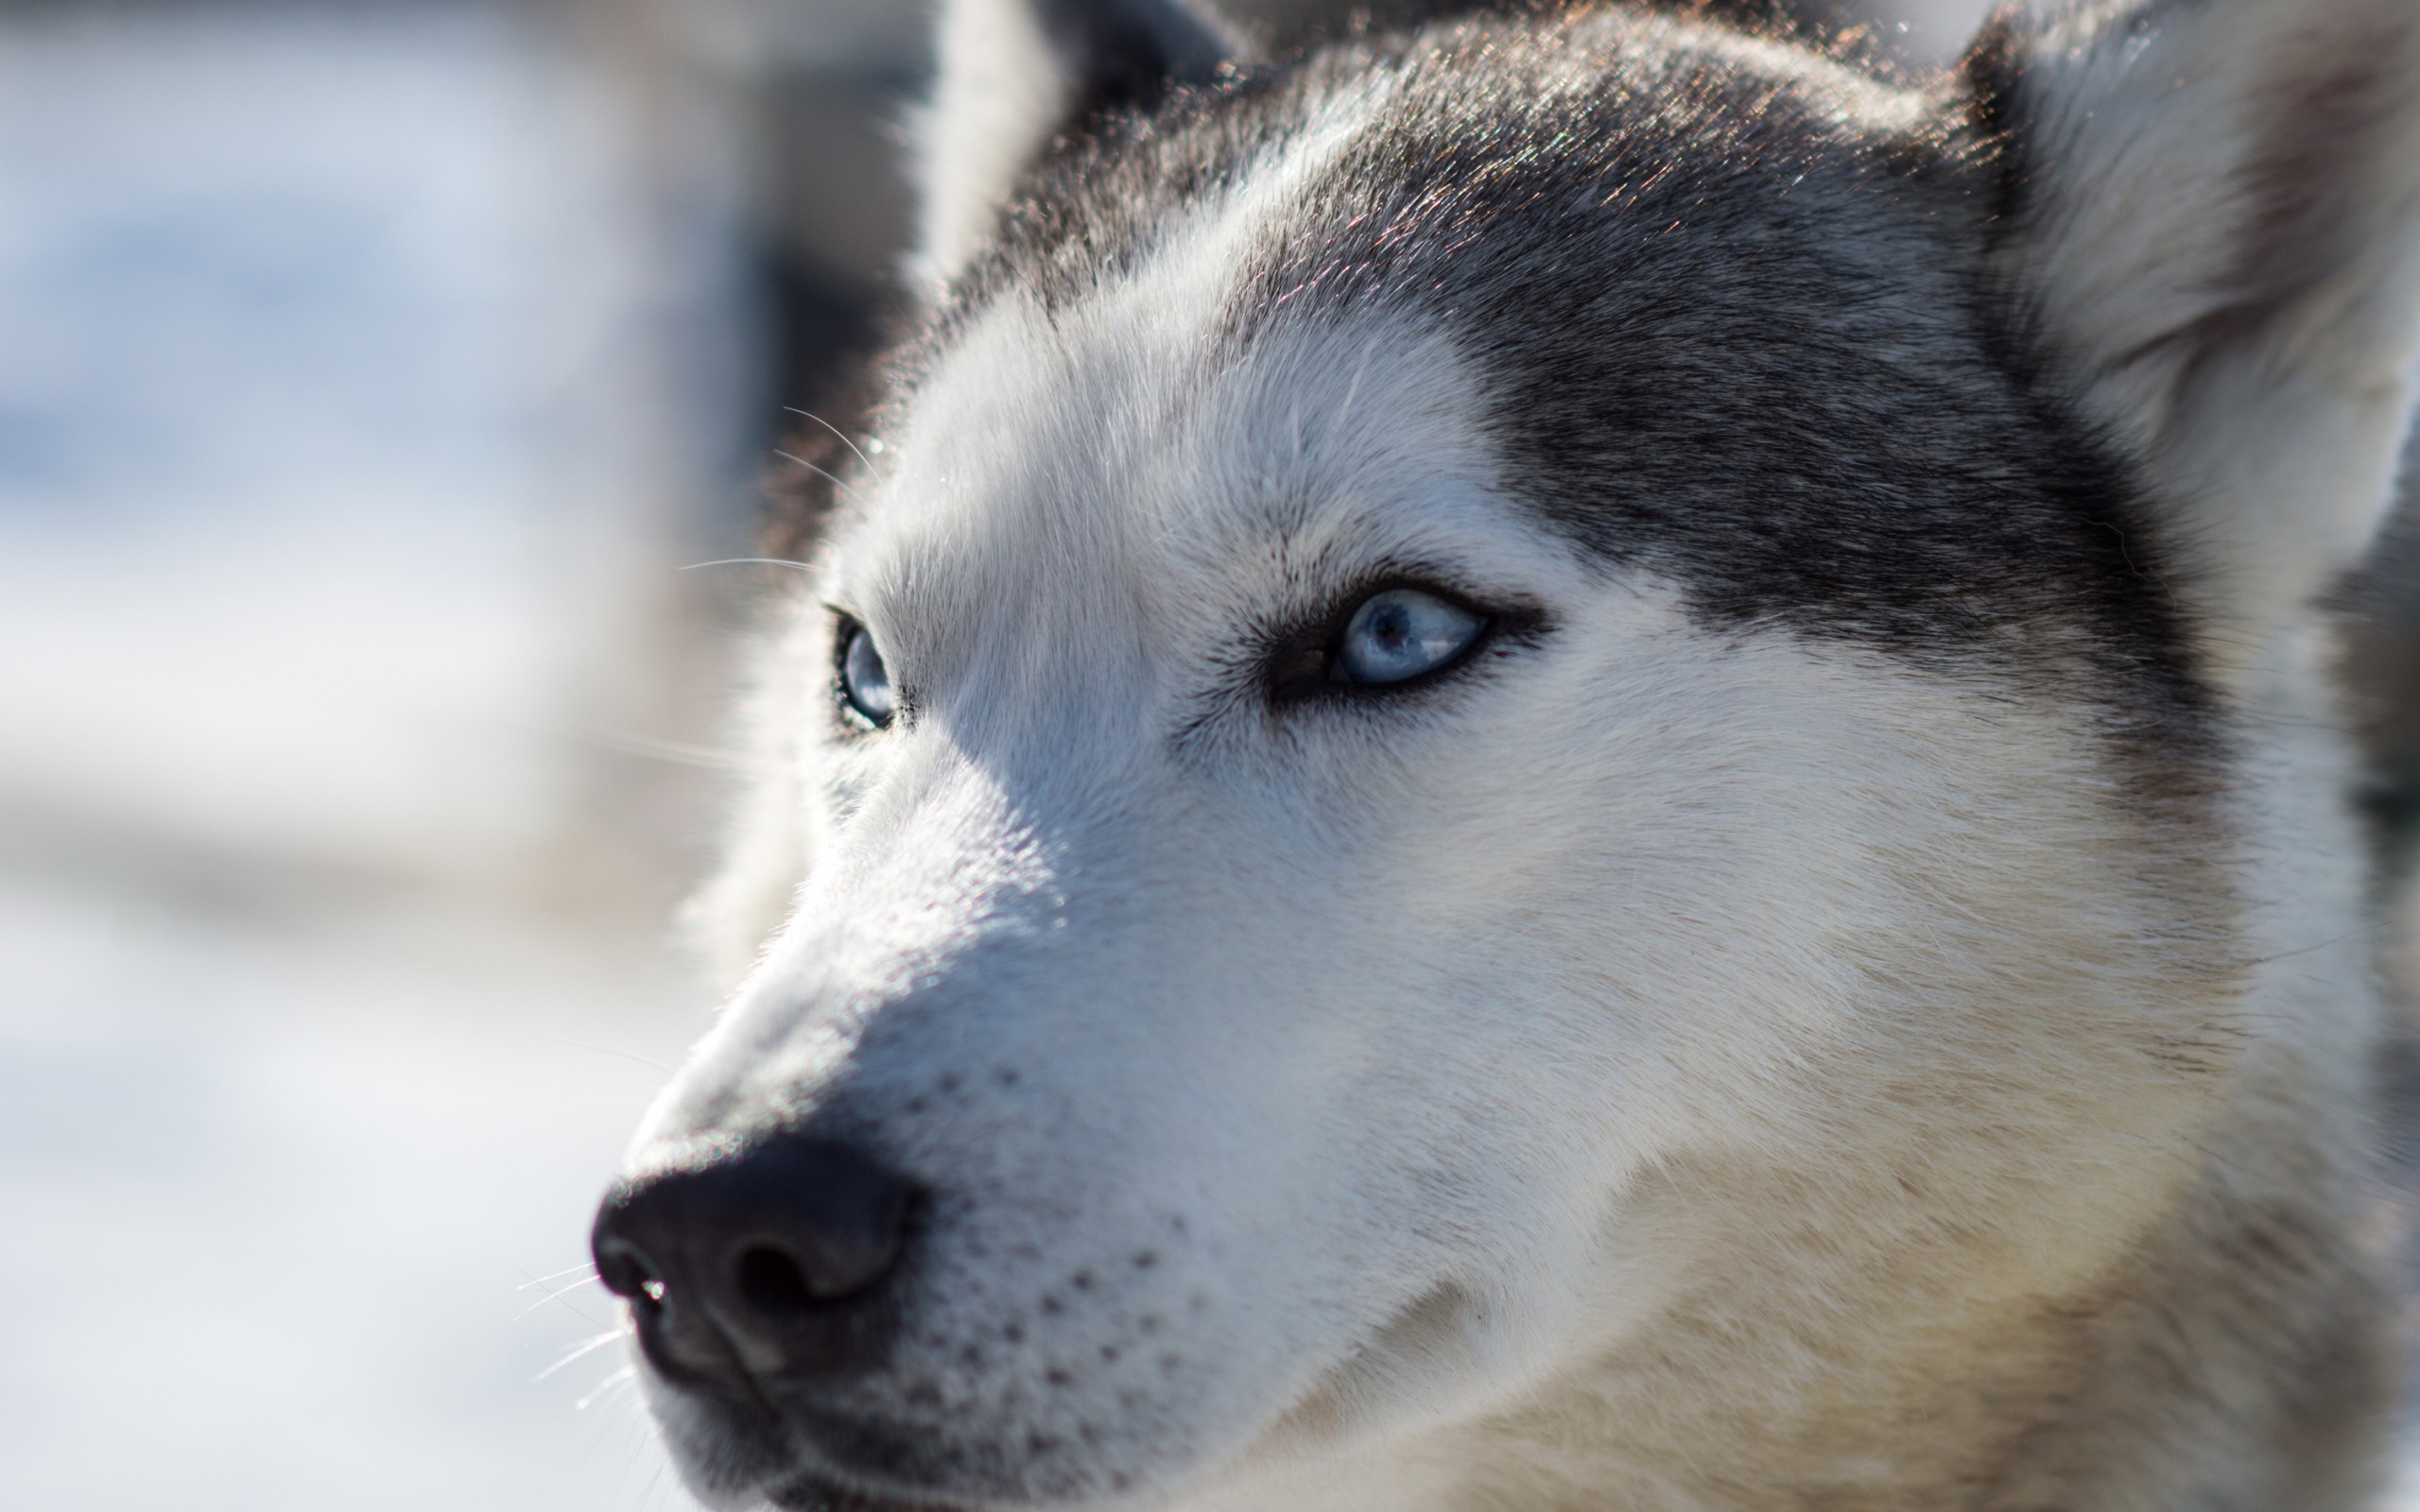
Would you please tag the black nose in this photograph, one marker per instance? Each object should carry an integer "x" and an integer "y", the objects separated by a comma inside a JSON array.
[{"x": 765, "y": 1264}]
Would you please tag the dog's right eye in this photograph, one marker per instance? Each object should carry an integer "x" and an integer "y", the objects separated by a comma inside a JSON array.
[
  {"x": 1397, "y": 637},
  {"x": 1401, "y": 634},
  {"x": 865, "y": 682}
]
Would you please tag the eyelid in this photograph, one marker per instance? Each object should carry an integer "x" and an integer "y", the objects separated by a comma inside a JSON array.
[{"x": 1343, "y": 606}]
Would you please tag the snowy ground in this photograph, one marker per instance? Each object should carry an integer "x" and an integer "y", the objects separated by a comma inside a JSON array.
[
  {"x": 333, "y": 440},
  {"x": 283, "y": 1185}
]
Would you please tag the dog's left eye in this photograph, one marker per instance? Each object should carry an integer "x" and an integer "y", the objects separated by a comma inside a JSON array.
[{"x": 1399, "y": 633}]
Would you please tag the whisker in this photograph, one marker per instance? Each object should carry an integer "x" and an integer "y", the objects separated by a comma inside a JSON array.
[
  {"x": 680, "y": 752},
  {"x": 608, "y": 1049},
  {"x": 630, "y": 1459},
  {"x": 832, "y": 479},
  {"x": 558, "y": 1296},
  {"x": 578, "y": 1275},
  {"x": 835, "y": 430},
  {"x": 749, "y": 561},
  {"x": 588, "y": 1266},
  {"x": 618, "y": 1379},
  {"x": 583, "y": 1352}
]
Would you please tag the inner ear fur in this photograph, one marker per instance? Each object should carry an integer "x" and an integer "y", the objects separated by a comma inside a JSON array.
[
  {"x": 2211, "y": 219},
  {"x": 1017, "y": 73}
]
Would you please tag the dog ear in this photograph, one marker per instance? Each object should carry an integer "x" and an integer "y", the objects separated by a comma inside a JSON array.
[
  {"x": 1014, "y": 73},
  {"x": 2211, "y": 217}
]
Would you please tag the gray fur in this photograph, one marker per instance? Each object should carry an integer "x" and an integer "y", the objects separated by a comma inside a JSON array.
[{"x": 1703, "y": 278}]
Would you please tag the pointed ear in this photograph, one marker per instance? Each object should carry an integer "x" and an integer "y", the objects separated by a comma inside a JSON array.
[
  {"x": 2212, "y": 216},
  {"x": 1014, "y": 73}
]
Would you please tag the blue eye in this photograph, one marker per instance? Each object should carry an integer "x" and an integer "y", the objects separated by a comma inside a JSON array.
[
  {"x": 1402, "y": 632},
  {"x": 865, "y": 682}
]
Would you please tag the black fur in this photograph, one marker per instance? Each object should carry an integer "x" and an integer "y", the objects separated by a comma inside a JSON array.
[{"x": 1126, "y": 55}]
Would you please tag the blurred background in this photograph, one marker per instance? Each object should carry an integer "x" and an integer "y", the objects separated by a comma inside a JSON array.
[{"x": 369, "y": 374}]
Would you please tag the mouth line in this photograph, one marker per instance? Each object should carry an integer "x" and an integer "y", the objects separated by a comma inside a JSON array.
[
  {"x": 824, "y": 1491},
  {"x": 1327, "y": 1412},
  {"x": 803, "y": 1475},
  {"x": 1331, "y": 1408},
  {"x": 1334, "y": 1404}
]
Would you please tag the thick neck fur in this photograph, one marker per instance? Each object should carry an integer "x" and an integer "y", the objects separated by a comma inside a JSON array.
[
  {"x": 2238, "y": 1357},
  {"x": 2234, "y": 1351}
]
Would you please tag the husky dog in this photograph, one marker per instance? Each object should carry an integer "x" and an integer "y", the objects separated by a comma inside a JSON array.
[{"x": 1568, "y": 761}]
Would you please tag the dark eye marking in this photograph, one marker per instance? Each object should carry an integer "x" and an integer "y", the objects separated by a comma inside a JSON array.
[{"x": 1394, "y": 637}]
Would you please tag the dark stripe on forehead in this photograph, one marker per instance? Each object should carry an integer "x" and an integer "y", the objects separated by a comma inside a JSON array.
[{"x": 1729, "y": 308}]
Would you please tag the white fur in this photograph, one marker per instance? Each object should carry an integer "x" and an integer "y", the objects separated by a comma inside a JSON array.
[
  {"x": 1006, "y": 85},
  {"x": 1668, "y": 1069},
  {"x": 2268, "y": 405},
  {"x": 1445, "y": 991},
  {"x": 1009, "y": 86}
]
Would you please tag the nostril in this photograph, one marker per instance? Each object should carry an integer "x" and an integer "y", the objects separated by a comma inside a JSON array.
[
  {"x": 623, "y": 1270},
  {"x": 774, "y": 1283}
]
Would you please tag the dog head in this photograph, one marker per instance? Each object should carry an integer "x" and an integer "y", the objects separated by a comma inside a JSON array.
[{"x": 1528, "y": 699}]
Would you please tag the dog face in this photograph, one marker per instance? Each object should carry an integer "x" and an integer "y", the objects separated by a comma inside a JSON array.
[
  {"x": 1283, "y": 1052},
  {"x": 1345, "y": 856}
]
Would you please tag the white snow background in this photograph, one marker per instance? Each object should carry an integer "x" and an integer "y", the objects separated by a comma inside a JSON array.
[{"x": 343, "y": 364}]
